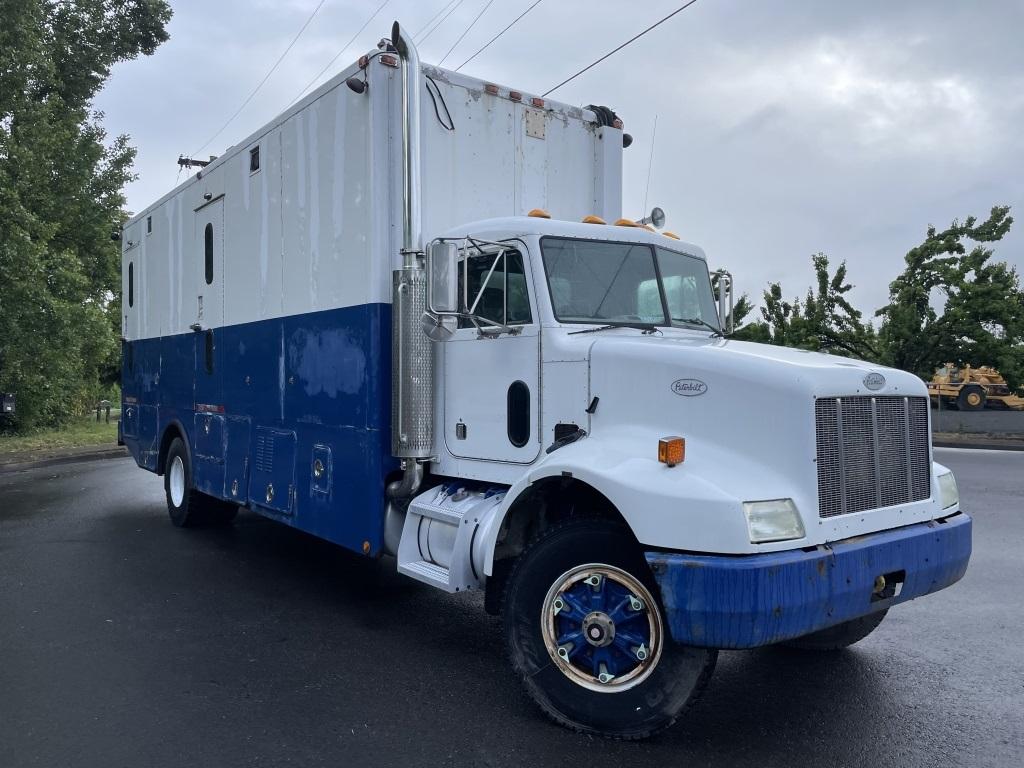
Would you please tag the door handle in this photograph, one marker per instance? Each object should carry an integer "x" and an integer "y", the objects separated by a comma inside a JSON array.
[{"x": 196, "y": 327}]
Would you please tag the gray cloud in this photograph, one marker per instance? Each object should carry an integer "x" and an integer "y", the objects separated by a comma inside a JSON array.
[{"x": 784, "y": 128}]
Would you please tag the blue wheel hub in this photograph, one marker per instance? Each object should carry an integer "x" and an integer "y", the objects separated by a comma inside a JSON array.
[{"x": 602, "y": 627}]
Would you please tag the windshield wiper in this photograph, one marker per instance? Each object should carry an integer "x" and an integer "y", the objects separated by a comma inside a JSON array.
[
  {"x": 645, "y": 327},
  {"x": 697, "y": 321}
]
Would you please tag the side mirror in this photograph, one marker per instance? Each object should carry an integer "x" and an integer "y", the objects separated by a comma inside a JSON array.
[
  {"x": 725, "y": 319},
  {"x": 443, "y": 277}
]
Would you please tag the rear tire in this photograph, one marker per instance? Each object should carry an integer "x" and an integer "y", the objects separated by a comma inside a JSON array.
[
  {"x": 187, "y": 507},
  {"x": 840, "y": 636},
  {"x": 971, "y": 398},
  {"x": 647, "y": 680}
]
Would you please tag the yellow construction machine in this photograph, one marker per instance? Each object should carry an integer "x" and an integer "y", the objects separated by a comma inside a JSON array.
[{"x": 971, "y": 389}]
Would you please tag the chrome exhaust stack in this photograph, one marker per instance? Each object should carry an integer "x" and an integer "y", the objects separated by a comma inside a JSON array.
[
  {"x": 412, "y": 76},
  {"x": 412, "y": 354}
]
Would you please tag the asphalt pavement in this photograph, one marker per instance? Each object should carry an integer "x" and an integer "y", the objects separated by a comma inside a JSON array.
[{"x": 125, "y": 641}]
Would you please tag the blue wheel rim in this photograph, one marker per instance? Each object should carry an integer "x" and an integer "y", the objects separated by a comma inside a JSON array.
[{"x": 602, "y": 627}]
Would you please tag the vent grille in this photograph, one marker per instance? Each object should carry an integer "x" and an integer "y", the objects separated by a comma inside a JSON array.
[
  {"x": 871, "y": 452},
  {"x": 264, "y": 453}
]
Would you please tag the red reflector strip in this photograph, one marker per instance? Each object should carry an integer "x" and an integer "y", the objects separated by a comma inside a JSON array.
[{"x": 206, "y": 408}]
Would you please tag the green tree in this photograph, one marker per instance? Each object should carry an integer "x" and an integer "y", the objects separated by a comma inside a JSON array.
[
  {"x": 824, "y": 321},
  {"x": 61, "y": 197},
  {"x": 954, "y": 304}
]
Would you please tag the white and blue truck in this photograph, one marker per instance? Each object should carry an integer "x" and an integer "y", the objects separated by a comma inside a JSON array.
[{"x": 362, "y": 322}]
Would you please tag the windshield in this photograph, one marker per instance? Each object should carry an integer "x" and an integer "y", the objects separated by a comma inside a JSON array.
[{"x": 595, "y": 281}]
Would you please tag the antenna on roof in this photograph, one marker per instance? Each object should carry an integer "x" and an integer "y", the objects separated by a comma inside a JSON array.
[
  {"x": 188, "y": 162},
  {"x": 650, "y": 162}
]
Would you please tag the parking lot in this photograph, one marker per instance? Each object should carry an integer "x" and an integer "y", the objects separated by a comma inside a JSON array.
[{"x": 126, "y": 641}]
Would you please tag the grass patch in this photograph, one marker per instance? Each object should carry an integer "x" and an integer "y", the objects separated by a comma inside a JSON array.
[{"x": 81, "y": 432}]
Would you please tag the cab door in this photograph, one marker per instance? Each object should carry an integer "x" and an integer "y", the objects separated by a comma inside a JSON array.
[{"x": 492, "y": 364}]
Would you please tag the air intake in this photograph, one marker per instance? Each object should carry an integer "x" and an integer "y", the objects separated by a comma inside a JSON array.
[{"x": 872, "y": 452}]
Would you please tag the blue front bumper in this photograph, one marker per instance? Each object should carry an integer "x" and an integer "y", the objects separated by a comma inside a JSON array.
[{"x": 745, "y": 601}]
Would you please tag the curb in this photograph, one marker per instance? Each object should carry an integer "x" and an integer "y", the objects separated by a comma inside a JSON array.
[{"x": 72, "y": 458}]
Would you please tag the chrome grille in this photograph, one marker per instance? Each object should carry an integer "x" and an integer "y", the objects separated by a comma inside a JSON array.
[{"x": 871, "y": 452}]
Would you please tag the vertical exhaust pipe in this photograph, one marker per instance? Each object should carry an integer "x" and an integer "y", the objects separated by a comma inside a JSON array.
[
  {"x": 412, "y": 354},
  {"x": 412, "y": 235}
]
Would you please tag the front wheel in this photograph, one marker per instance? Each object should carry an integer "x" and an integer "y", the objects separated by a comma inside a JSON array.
[
  {"x": 971, "y": 398},
  {"x": 586, "y": 633}
]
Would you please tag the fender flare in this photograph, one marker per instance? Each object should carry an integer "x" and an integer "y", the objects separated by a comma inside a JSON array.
[
  {"x": 177, "y": 424},
  {"x": 687, "y": 507}
]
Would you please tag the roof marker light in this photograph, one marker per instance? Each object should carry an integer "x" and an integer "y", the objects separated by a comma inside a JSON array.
[
  {"x": 389, "y": 61},
  {"x": 363, "y": 61},
  {"x": 625, "y": 223},
  {"x": 491, "y": 88},
  {"x": 673, "y": 235},
  {"x": 515, "y": 95},
  {"x": 539, "y": 213},
  {"x": 617, "y": 123},
  {"x": 537, "y": 102},
  {"x": 592, "y": 219}
]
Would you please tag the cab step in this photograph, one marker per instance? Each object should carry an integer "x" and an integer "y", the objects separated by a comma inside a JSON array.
[{"x": 437, "y": 536}]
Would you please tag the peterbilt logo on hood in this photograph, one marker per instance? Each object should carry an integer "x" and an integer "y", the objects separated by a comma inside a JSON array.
[
  {"x": 689, "y": 387},
  {"x": 874, "y": 381}
]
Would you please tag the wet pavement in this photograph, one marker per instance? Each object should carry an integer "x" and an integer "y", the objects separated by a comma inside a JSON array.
[{"x": 125, "y": 641}]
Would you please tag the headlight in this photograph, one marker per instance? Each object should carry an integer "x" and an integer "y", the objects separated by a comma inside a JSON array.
[
  {"x": 775, "y": 520},
  {"x": 948, "y": 492}
]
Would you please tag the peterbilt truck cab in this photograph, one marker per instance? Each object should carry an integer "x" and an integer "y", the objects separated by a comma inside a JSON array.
[{"x": 690, "y": 492}]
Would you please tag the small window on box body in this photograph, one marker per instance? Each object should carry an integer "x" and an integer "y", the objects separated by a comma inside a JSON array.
[
  {"x": 208, "y": 253},
  {"x": 131, "y": 283},
  {"x": 149, "y": 224},
  {"x": 254, "y": 159}
]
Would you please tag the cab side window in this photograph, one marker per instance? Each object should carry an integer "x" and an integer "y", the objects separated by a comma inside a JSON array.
[{"x": 506, "y": 297}]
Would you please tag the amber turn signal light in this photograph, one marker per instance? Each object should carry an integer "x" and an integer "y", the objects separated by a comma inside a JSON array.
[{"x": 672, "y": 450}]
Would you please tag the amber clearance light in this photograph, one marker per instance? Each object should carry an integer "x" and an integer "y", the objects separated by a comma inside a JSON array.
[{"x": 672, "y": 450}]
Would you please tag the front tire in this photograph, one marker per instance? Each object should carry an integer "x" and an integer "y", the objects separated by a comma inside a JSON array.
[
  {"x": 186, "y": 506},
  {"x": 586, "y": 633},
  {"x": 971, "y": 398}
]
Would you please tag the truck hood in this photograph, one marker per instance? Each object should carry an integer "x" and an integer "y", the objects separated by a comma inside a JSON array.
[
  {"x": 747, "y": 410},
  {"x": 748, "y": 372}
]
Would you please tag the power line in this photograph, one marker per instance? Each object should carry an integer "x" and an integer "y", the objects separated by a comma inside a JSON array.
[
  {"x": 265, "y": 78},
  {"x": 616, "y": 50},
  {"x": 442, "y": 21},
  {"x": 506, "y": 29},
  {"x": 471, "y": 25},
  {"x": 338, "y": 54},
  {"x": 433, "y": 18}
]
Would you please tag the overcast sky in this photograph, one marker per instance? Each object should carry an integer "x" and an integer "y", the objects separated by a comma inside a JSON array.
[{"x": 785, "y": 127}]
